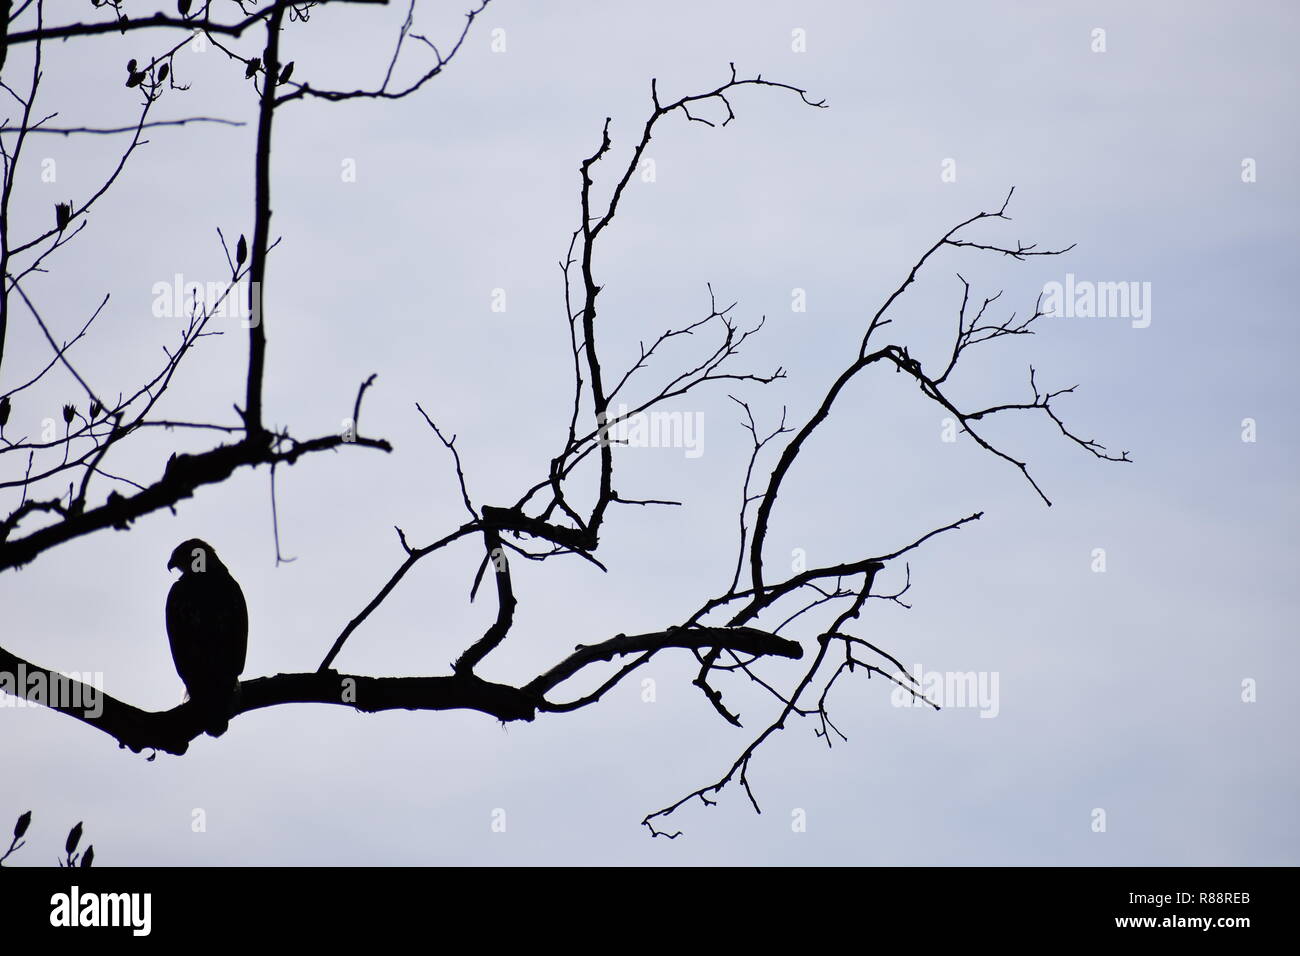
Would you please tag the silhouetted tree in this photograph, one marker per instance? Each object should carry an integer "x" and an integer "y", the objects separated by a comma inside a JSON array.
[{"x": 739, "y": 630}]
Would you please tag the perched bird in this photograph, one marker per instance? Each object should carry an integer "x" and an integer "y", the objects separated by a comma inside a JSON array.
[{"x": 207, "y": 624}]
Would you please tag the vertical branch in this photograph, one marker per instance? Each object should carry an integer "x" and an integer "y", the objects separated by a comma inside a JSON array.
[
  {"x": 11, "y": 161},
  {"x": 495, "y": 634},
  {"x": 590, "y": 291},
  {"x": 261, "y": 228},
  {"x": 6, "y": 8}
]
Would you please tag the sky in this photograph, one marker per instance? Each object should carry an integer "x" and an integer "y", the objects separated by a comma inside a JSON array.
[{"x": 1140, "y": 714}]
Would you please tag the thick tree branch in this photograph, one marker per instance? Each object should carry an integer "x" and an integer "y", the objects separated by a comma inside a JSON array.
[
  {"x": 124, "y": 24},
  {"x": 172, "y": 730},
  {"x": 183, "y": 475},
  {"x": 745, "y": 639}
]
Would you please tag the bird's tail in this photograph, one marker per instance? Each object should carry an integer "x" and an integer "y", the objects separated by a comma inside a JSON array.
[
  {"x": 217, "y": 726},
  {"x": 214, "y": 712}
]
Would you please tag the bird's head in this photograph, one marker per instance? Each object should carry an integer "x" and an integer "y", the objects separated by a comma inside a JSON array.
[{"x": 192, "y": 555}]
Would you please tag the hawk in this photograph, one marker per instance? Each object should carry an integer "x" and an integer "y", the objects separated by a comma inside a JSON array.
[{"x": 207, "y": 625}]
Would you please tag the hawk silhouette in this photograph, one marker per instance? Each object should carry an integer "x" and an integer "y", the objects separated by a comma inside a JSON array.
[{"x": 207, "y": 625}]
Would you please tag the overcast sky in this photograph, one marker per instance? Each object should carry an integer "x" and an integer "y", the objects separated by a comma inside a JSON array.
[{"x": 1119, "y": 691}]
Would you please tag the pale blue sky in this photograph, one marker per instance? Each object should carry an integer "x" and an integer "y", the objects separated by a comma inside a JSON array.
[{"x": 1119, "y": 691}]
